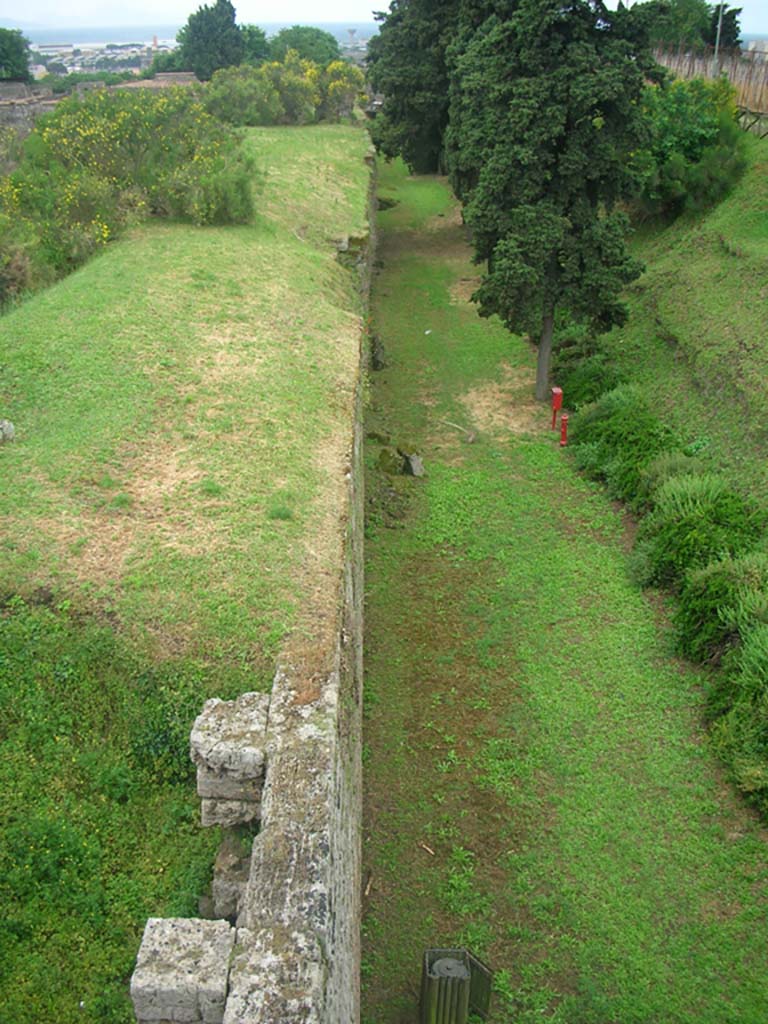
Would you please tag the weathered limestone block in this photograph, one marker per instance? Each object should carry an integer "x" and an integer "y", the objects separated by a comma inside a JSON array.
[
  {"x": 227, "y": 745},
  {"x": 230, "y": 875},
  {"x": 278, "y": 975},
  {"x": 182, "y": 971},
  {"x": 229, "y": 813}
]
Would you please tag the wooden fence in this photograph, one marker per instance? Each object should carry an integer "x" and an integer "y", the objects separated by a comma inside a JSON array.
[{"x": 747, "y": 72}]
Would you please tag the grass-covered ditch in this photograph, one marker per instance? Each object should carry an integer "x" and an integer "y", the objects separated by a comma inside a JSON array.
[
  {"x": 166, "y": 511},
  {"x": 540, "y": 782},
  {"x": 681, "y": 441}
]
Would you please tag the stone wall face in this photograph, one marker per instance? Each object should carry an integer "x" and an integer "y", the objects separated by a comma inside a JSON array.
[
  {"x": 296, "y": 940},
  {"x": 21, "y": 114},
  {"x": 299, "y": 923}
]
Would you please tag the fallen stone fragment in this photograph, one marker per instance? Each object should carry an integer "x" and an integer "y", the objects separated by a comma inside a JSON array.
[{"x": 413, "y": 464}]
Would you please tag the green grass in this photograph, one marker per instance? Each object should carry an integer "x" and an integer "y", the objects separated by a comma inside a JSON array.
[
  {"x": 696, "y": 334},
  {"x": 172, "y": 366},
  {"x": 182, "y": 408},
  {"x": 538, "y": 782}
]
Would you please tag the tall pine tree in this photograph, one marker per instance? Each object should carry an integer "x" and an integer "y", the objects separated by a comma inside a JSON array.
[
  {"x": 407, "y": 63},
  {"x": 544, "y": 115},
  {"x": 211, "y": 40}
]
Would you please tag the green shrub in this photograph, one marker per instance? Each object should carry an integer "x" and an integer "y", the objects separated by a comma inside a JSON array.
[
  {"x": 696, "y": 520},
  {"x": 95, "y": 165},
  {"x": 244, "y": 95},
  {"x": 160, "y": 741},
  {"x": 750, "y": 663},
  {"x": 586, "y": 381},
  {"x": 616, "y": 437},
  {"x": 697, "y": 152},
  {"x": 142, "y": 140},
  {"x": 740, "y": 737},
  {"x": 580, "y": 368},
  {"x": 720, "y": 603},
  {"x": 667, "y": 466}
]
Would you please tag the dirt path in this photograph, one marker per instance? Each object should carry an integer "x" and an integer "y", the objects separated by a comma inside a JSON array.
[{"x": 539, "y": 787}]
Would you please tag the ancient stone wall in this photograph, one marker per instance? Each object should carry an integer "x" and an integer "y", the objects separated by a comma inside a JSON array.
[
  {"x": 293, "y": 950},
  {"x": 21, "y": 112}
]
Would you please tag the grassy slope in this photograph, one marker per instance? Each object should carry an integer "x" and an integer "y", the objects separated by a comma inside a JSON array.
[
  {"x": 182, "y": 408},
  {"x": 538, "y": 784},
  {"x": 696, "y": 335}
]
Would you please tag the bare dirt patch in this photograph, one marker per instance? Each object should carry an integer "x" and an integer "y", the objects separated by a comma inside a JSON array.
[
  {"x": 507, "y": 405},
  {"x": 463, "y": 289},
  {"x": 452, "y": 218},
  {"x": 96, "y": 543}
]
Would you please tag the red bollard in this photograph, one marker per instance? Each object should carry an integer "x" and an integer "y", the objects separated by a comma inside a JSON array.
[
  {"x": 564, "y": 430},
  {"x": 557, "y": 404}
]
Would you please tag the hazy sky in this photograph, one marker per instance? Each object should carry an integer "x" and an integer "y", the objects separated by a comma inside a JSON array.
[
  {"x": 118, "y": 12},
  {"x": 46, "y": 13}
]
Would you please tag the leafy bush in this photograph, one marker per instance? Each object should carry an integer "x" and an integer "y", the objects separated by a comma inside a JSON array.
[
  {"x": 750, "y": 663},
  {"x": 740, "y": 737},
  {"x": 616, "y": 437},
  {"x": 342, "y": 84},
  {"x": 720, "y": 603},
  {"x": 697, "y": 152},
  {"x": 142, "y": 140},
  {"x": 292, "y": 91},
  {"x": 580, "y": 368},
  {"x": 696, "y": 519},
  {"x": 95, "y": 165},
  {"x": 666, "y": 466},
  {"x": 160, "y": 740},
  {"x": 587, "y": 380},
  {"x": 244, "y": 95}
]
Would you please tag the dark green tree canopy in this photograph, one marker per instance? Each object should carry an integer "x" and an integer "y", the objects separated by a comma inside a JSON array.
[
  {"x": 676, "y": 22},
  {"x": 535, "y": 107},
  {"x": 165, "y": 62},
  {"x": 730, "y": 30},
  {"x": 310, "y": 43},
  {"x": 407, "y": 63},
  {"x": 211, "y": 40},
  {"x": 255, "y": 44},
  {"x": 545, "y": 113},
  {"x": 14, "y": 56}
]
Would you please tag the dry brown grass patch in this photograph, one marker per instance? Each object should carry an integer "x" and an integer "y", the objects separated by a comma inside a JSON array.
[{"x": 507, "y": 405}]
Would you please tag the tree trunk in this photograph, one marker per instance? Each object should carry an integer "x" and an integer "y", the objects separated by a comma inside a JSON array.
[{"x": 545, "y": 356}]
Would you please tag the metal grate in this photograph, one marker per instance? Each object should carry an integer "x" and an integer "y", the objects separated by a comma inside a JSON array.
[{"x": 454, "y": 983}]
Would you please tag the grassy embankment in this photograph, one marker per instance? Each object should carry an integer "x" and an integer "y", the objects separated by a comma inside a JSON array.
[
  {"x": 169, "y": 505},
  {"x": 696, "y": 335},
  {"x": 539, "y": 785}
]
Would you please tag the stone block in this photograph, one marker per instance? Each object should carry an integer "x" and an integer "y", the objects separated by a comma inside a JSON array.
[
  {"x": 229, "y": 813},
  {"x": 228, "y": 740},
  {"x": 230, "y": 875},
  {"x": 182, "y": 971},
  {"x": 218, "y": 786},
  {"x": 278, "y": 977}
]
